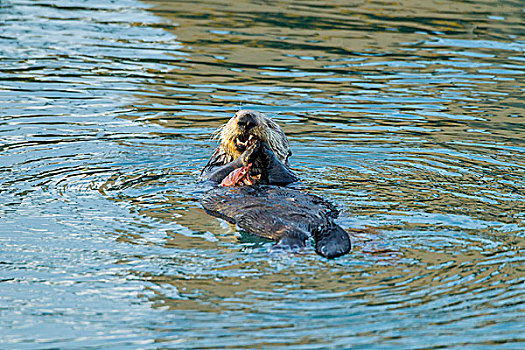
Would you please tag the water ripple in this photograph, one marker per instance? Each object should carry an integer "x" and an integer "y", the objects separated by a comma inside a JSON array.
[{"x": 410, "y": 124}]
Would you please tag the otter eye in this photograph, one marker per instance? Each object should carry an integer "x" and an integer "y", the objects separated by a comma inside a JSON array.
[{"x": 271, "y": 125}]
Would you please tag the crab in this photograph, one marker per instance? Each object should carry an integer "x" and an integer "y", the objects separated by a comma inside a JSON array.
[{"x": 238, "y": 177}]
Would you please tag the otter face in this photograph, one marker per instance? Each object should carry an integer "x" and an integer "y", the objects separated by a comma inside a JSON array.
[
  {"x": 246, "y": 125},
  {"x": 246, "y": 121}
]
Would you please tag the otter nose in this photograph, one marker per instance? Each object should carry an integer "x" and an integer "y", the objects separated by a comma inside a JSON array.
[{"x": 246, "y": 120}]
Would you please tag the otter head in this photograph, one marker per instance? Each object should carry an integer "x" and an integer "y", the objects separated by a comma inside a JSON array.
[{"x": 246, "y": 125}]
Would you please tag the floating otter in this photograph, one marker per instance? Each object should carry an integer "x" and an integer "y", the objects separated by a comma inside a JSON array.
[{"x": 251, "y": 167}]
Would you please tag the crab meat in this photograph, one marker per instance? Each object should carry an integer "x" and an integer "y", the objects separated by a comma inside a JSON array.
[{"x": 238, "y": 177}]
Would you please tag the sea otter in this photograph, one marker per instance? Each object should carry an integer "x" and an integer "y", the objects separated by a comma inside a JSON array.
[{"x": 250, "y": 170}]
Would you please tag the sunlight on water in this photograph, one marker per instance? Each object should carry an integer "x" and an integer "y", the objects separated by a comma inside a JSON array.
[{"x": 406, "y": 115}]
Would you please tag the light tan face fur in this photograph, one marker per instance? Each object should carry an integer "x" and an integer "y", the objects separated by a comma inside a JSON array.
[{"x": 265, "y": 130}]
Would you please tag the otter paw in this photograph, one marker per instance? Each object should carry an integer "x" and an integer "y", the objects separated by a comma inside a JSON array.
[
  {"x": 251, "y": 153},
  {"x": 334, "y": 243},
  {"x": 291, "y": 242}
]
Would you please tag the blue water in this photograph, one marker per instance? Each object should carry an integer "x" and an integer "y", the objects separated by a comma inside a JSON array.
[{"x": 408, "y": 116}]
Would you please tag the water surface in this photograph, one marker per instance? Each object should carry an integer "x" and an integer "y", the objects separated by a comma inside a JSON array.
[{"x": 409, "y": 116}]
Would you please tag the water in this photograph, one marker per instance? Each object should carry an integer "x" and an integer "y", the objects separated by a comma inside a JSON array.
[{"x": 409, "y": 116}]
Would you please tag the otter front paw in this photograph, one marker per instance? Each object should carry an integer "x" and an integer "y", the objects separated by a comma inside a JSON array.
[
  {"x": 251, "y": 153},
  {"x": 333, "y": 243}
]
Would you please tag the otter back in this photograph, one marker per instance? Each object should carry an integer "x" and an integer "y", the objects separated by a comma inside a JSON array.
[{"x": 281, "y": 214}]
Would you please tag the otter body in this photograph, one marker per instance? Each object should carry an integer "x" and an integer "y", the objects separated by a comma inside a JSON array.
[
  {"x": 250, "y": 167},
  {"x": 287, "y": 216}
]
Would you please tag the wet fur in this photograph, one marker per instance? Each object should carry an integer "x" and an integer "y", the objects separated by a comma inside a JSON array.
[
  {"x": 266, "y": 130},
  {"x": 285, "y": 215}
]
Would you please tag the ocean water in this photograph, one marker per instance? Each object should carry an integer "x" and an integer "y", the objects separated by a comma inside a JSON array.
[{"x": 408, "y": 116}]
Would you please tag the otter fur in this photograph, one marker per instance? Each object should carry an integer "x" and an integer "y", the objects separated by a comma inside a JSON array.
[
  {"x": 250, "y": 137},
  {"x": 252, "y": 160},
  {"x": 252, "y": 123}
]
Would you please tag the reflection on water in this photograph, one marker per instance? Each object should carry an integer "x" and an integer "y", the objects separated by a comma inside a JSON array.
[{"x": 408, "y": 115}]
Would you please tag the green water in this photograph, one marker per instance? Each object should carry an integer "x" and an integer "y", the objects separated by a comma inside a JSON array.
[{"x": 408, "y": 116}]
